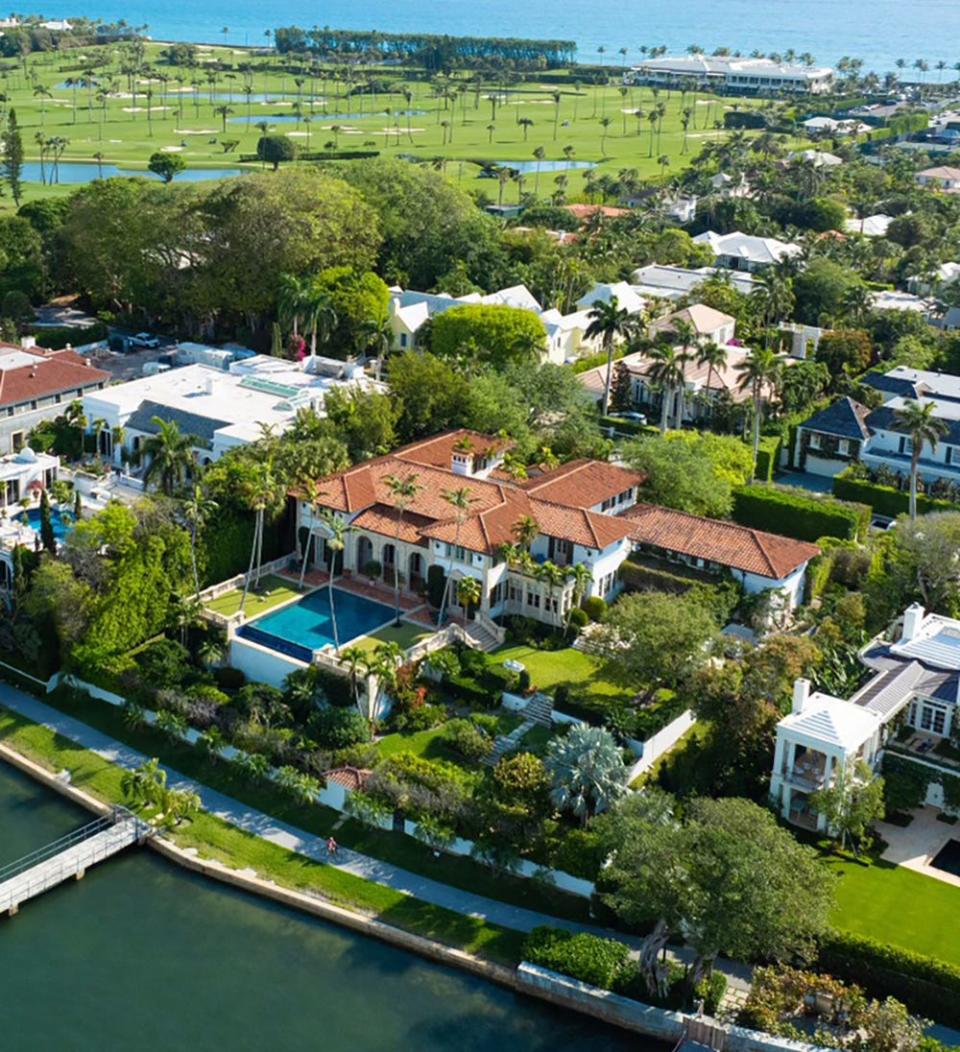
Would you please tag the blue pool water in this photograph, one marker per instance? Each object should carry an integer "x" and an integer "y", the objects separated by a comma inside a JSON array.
[
  {"x": 318, "y": 114},
  {"x": 86, "y": 172},
  {"x": 306, "y": 625},
  {"x": 61, "y": 527}
]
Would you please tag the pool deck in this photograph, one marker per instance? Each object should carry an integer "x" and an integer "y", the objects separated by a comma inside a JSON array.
[{"x": 916, "y": 845}]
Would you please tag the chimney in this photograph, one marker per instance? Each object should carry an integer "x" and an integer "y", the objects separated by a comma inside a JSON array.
[
  {"x": 912, "y": 620},
  {"x": 801, "y": 692},
  {"x": 28, "y": 342}
]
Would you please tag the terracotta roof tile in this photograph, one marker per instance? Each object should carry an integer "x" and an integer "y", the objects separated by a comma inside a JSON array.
[
  {"x": 727, "y": 543},
  {"x": 351, "y": 778},
  {"x": 383, "y": 519},
  {"x": 583, "y": 483},
  {"x": 52, "y": 372}
]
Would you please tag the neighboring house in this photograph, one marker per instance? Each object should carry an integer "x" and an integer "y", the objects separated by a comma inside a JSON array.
[
  {"x": 37, "y": 385},
  {"x": 665, "y": 282},
  {"x": 894, "y": 299},
  {"x": 709, "y": 325},
  {"x": 870, "y": 226},
  {"x": 574, "y": 506},
  {"x": 748, "y": 76},
  {"x": 826, "y": 126},
  {"x": 759, "y": 561},
  {"x": 946, "y": 274},
  {"x": 832, "y": 439},
  {"x": 942, "y": 177},
  {"x": 738, "y": 251},
  {"x": 724, "y": 185},
  {"x": 846, "y": 431},
  {"x": 804, "y": 340},
  {"x": 627, "y": 297},
  {"x": 585, "y": 212},
  {"x": 219, "y": 409},
  {"x": 913, "y": 691},
  {"x": 23, "y": 476},
  {"x": 817, "y": 158}
]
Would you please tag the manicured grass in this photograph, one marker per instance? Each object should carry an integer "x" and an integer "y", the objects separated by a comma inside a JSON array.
[
  {"x": 428, "y": 744},
  {"x": 457, "y": 135},
  {"x": 897, "y": 905},
  {"x": 218, "y": 840},
  {"x": 402, "y": 851},
  {"x": 574, "y": 669},
  {"x": 406, "y": 635},
  {"x": 273, "y": 592}
]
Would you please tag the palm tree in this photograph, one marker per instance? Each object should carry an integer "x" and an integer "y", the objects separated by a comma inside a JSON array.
[
  {"x": 261, "y": 492},
  {"x": 469, "y": 593},
  {"x": 525, "y": 529},
  {"x": 774, "y": 298},
  {"x": 197, "y": 508},
  {"x": 758, "y": 372},
  {"x": 605, "y": 124},
  {"x": 586, "y": 770},
  {"x": 610, "y": 322},
  {"x": 667, "y": 372},
  {"x": 144, "y": 784},
  {"x": 539, "y": 153},
  {"x": 917, "y": 420},
  {"x": 223, "y": 112},
  {"x": 170, "y": 455},
  {"x": 714, "y": 357},
  {"x": 526, "y": 123},
  {"x": 292, "y": 302},
  {"x": 552, "y": 576},
  {"x": 460, "y": 500},
  {"x": 581, "y": 576},
  {"x": 356, "y": 661},
  {"x": 335, "y": 539},
  {"x": 320, "y": 315},
  {"x": 403, "y": 490}
]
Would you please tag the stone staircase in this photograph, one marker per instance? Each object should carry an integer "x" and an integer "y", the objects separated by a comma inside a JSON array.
[
  {"x": 507, "y": 743},
  {"x": 539, "y": 710},
  {"x": 480, "y": 637}
]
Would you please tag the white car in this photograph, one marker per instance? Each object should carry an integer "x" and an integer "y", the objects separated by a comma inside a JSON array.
[{"x": 144, "y": 339}]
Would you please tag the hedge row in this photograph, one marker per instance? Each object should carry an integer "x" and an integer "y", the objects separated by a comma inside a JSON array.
[
  {"x": 798, "y": 514},
  {"x": 885, "y": 500},
  {"x": 589, "y": 958},
  {"x": 628, "y": 427},
  {"x": 926, "y": 985},
  {"x": 768, "y": 457},
  {"x": 652, "y": 579}
]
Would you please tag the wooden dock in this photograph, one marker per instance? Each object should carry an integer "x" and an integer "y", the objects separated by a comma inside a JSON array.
[{"x": 68, "y": 857}]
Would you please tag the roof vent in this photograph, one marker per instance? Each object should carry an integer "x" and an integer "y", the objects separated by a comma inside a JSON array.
[
  {"x": 801, "y": 694},
  {"x": 912, "y": 619}
]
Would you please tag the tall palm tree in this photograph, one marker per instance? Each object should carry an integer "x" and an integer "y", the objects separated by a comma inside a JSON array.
[
  {"x": 773, "y": 295},
  {"x": 758, "y": 372},
  {"x": 610, "y": 322},
  {"x": 552, "y": 576},
  {"x": 581, "y": 576},
  {"x": 714, "y": 357},
  {"x": 197, "y": 509},
  {"x": 261, "y": 492},
  {"x": 525, "y": 529},
  {"x": 170, "y": 455},
  {"x": 314, "y": 497},
  {"x": 667, "y": 372},
  {"x": 356, "y": 661},
  {"x": 320, "y": 316},
  {"x": 292, "y": 302},
  {"x": 469, "y": 593},
  {"x": 918, "y": 421},
  {"x": 460, "y": 500},
  {"x": 336, "y": 530},
  {"x": 403, "y": 489}
]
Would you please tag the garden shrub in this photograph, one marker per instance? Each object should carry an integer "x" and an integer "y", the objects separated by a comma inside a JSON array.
[
  {"x": 523, "y": 681},
  {"x": 801, "y": 515},
  {"x": 164, "y": 664},
  {"x": 710, "y": 990},
  {"x": 486, "y": 721},
  {"x": 336, "y": 689},
  {"x": 338, "y": 728},
  {"x": 589, "y": 958},
  {"x": 578, "y": 852},
  {"x": 468, "y": 740},
  {"x": 579, "y": 618},
  {"x": 595, "y": 606},
  {"x": 207, "y": 692},
  {"x": 497, "y": 679},
  {"x": 229, "y": 678},
  {"x": 768, "y": 457},
  {"x": 419, "y": 718},
  {"x": 467, "y": 689},
  {"x": 436, "y": 582},
  {"x": 887, "y": 501}
]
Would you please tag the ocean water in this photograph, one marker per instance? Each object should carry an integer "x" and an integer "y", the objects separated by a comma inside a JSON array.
[{"x": 879, "y": 31}]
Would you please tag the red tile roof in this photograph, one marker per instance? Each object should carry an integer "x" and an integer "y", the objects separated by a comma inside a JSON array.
[
  {"x": 583, "y": 483},
  {"x": 726, "y": 543},
  {"x": 586, "y": 211},
  {"x": 351, "y": 778},
  {"x": 50, "y": 373}
]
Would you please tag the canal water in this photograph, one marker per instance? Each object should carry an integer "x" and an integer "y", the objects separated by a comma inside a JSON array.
[{"x": 142, "y": 955}]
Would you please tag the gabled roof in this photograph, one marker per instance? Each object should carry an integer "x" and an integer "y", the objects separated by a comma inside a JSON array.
[
  {"x": 44, "y": 373},
  {"x": 747, "y": 246},
  {"x": 941, "y": 172},
  {"x": 886, "y": 419},
  {"x": 726, "y": 543},
  {"x": 833, "y": 722},
  {"x": 888, "y": 383},
  {"x": 582, "y": 483},
  {"x": 844, "y": 418},
  {"x": 704, "y": 319}
]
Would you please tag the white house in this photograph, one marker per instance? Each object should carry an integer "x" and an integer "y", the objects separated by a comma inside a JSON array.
[
  {"x": 908, "y": 706},
  {"x": 709, "y": 325},
  {"x": 574, "y": 506},
  {"x": 658, "y": 281},
  {"x": 738, "y": 251},
  {"x": 753, "y": 76},
  {"x": 817, "y": 158},
  {"x": 942, "y": 177},
  {"x": 760, "y": 561},
  {"x": 869, "y": 226},
  {"x": 627, "y": 297},
  {"x": 219, "y": 409},
  {"x": 23, "y": 476}
]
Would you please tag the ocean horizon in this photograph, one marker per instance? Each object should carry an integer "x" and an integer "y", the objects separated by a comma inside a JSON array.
[{"x": 879, "y": 32}]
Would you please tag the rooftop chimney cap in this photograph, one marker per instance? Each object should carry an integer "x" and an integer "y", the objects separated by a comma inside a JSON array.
[
  {"x": 801, "y": 694},
  {"x": 912, "y": 619}
]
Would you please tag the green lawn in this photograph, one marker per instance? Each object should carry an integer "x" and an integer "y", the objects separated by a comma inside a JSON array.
[
  {"x": 574, "y": 669},
  {"x": 896, "y": 905},
  {"x": 406, "y": 635},
  {"x": 460, "y": 136},
  {"x": 429, "y": 744},
  {"x": 273, "y": 592}
]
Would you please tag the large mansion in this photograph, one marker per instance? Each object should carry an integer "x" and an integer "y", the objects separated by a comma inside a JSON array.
[{"x": 570, "y": 514}]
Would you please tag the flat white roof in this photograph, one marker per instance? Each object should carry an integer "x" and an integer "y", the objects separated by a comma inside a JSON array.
[{"x": 733, "y": 66}]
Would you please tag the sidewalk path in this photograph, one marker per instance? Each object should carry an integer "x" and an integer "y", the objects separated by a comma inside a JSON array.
[{"x": 294, "y": 839}]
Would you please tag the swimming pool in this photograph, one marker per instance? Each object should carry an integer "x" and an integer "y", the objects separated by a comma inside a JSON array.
[
  {"x": 302, "y": 627},
  {"x": 61, "y": 526}
]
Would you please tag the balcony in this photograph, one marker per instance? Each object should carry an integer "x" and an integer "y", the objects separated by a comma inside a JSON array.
[{"x": 806, "y": 774}]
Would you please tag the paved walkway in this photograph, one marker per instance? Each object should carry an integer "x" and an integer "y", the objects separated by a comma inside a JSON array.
[
  {"x": 294, "y": 839},
  {"x": 916, "y": 845}
]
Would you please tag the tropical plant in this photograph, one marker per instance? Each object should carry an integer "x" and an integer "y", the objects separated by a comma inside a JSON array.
[
  {"x": 460, "y": 500},
  {"x": 918, "y": 421},
  {"x": 609, "y": 322},
  {"x": 403, "y": 489},
  {"x": 169, "y": 455},
  {"x": 469, "y": 593},
  {"x": 586, "y": 771},
  {"x": 668, "y": 373},
  {"x": 759, "y": 372},
  {"x": 197, "y": 509}
]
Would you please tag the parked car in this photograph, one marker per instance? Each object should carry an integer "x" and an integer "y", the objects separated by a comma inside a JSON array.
[
  {"x": 636, "y": 418},
  {"x": 143, "y": 340}
]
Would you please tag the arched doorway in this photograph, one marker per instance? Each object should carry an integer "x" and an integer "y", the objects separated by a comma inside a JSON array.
[
  {"x": 364, "y": 553},
  {"x": 415, "y": 571},
  {"x": 389, "y": 563}
]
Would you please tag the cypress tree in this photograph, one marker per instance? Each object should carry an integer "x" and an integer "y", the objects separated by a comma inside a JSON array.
[
  {"x": 13, "y": 158},
  {"x": 77, "y": 505},
  {"x": 47, "y": 538}
]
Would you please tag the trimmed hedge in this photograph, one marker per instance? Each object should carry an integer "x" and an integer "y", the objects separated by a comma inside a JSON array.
[
  {"x": 628, "y": 427},
  {"x": 589, "y": 958},
  {"x": 928, "y": 987},
  {"x": 768, "y": 457},
  {"x": 652, "y": 579},
  {"x": 885, "y": 500},
  {"x": 797, "y": 514}
]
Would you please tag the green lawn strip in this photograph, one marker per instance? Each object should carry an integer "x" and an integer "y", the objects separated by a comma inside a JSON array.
[
  {"x": 900, "y": 906},
  {"x": 220, "y": 841},
  {"x": 402, "y": 851},
  {"x": 568, "y": 667},
  {"x": 428, "y": 744},
  {"x": 274, "y": 590},
  {"x": 406, "y": 636}
]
